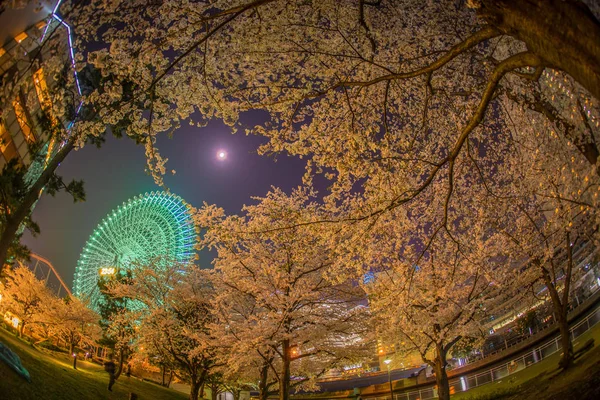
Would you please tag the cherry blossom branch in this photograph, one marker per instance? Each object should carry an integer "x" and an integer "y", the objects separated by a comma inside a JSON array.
[{"x": 234, "y": 13}]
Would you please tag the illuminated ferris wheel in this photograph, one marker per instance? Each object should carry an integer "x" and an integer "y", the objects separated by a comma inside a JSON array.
[{"x": 157, "y": 224}]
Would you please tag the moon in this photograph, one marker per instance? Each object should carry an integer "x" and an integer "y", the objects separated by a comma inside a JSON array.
[{"x": 221, "y": 155}]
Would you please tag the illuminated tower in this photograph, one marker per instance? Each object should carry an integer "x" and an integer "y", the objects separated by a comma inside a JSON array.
[{"x": 147, "y": 227}]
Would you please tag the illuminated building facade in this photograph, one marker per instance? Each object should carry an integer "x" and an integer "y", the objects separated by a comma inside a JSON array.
[{"x": 35, "y": 57}]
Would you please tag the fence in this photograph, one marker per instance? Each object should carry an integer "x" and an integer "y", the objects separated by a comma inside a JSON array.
[
  {"x": 470, "y": 381},
  {"x": 575, "y": 302}
]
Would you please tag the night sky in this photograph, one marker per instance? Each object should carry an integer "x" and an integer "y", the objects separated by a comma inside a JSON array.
[{"x": 115, "y": 173}]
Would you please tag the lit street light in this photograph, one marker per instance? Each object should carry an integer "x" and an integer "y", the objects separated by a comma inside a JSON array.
[{"x": 387, "y": 362}]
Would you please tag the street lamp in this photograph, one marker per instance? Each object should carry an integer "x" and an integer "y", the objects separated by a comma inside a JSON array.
[{"x": 387, "y": 362}]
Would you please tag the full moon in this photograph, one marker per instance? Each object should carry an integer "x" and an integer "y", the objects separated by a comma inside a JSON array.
[{"x": 221, "y": 155}]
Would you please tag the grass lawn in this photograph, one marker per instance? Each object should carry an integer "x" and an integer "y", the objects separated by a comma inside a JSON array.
[
  {"x": 544, "y": 381},
  {"x": 52, "y": 377}
]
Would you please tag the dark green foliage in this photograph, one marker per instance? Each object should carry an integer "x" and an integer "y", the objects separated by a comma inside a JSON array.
[
  {"x": 110, "y": 306},
  {"x": 74, "y": 188},
  {"x": 13, "y": 188},
  {"x": 527, "y": 322},
  {"x": 464, "y": 347}
]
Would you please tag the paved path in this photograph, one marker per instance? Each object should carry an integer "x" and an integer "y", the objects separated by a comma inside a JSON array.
[{"x": 351, "y": 383}]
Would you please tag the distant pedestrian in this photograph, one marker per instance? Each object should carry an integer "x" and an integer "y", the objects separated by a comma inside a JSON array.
[{"x": 110, "y": 367}]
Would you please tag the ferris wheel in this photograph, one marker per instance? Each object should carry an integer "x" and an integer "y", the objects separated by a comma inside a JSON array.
[{"x": 146, "y": 227}]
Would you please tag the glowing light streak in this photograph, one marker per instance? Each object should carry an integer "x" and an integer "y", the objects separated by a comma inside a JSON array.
[
  {"x": 56, "y": 6},
  {"x": 71, "y": 52}
]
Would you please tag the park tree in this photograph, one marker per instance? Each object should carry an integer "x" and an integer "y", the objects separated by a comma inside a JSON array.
[
  {"x": 21, "y": 186},
  {"x": 545, "y": 245},
  {"x": 118, "y": 331},
  {"x": 361, "y": 88},
  {"x": 242, "y": 358},
  {"x": 25, "y": 296},
  {"x": 549, "y": 199},
  {"x": 168, "y": 303},
  {"x": 386, "y": 99},
  {"x": 110, "y": 101},
  {"x": 73, "y": 322},
  {"x": 430, "y": 297},
  {"x": 215, "y": 383},
  {"x": 291, "y": 307},
  {"x": 550, "y": 239},
  {"x": 365, "y": 90},
  {"x": 13, "y": 187}
]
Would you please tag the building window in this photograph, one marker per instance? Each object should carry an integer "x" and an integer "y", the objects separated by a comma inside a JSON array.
[
  {"x": 20, "y": 37},
  {"x": 2, "y": 51},
  {"x": 22, "y": 118},
  {"x": 41, "y": 89},
  {"x": 9, "y": 151},
  {"x": 41, "y": 25}
]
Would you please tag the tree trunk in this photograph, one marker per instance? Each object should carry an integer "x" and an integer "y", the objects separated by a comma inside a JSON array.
[
  {"x": 21, "y": 329},
  {"x": 122, "y": 354},
  {"x": 560, "y": 311},
  {"x": 71, "y": 348},
  {"x": 263, "y": 390},
  {"x": 284, "y": 378},
  {"x": 214, "y": 392},
  {"x": 162, "y": 369},
  {"x": 565, "y": 342},
  {"x": 195, "y": 384},
  {"x": 11, "y": 227},
  {"x": 170, "y": 378},
  {"x": 441, "y": 377},
  {"x": 564, "y": 34}
]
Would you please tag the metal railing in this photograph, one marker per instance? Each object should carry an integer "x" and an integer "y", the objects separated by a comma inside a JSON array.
[
  {"x": 573, "y": 304},
  {"x": 470, "y": 381}
]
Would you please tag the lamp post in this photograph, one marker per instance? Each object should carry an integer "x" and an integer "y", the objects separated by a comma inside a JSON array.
[{"x": 387, "y": 362}]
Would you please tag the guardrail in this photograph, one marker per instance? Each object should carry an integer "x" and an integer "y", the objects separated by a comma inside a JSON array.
[
  {"x": 470, "y": 381},
  {"x": 574, "y": 304}
]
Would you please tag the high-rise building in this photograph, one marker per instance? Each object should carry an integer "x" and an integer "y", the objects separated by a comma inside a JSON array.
[{"x": 36, "y": 59}]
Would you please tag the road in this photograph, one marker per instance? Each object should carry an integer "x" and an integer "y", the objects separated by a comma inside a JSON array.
[{"x": 351, "y": 383}]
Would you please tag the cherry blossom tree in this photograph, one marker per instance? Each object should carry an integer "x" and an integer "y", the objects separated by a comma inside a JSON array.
[
  {"x": 556, "y": 214},
  {"x": 548, "y": 197},
  {"x": 431, "y": 296},
  {"x": 552, "y": 261},
  {"x": 25, "y": 296},
  {"x": 359, "y": 87},
  {"x": 71, "y": 321},
  {"x": 169, "y": 305},
  {"x": 366, "y": 90},
  {"x": 274, "y": 293},
  {"x": 240, "y": 357}
]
